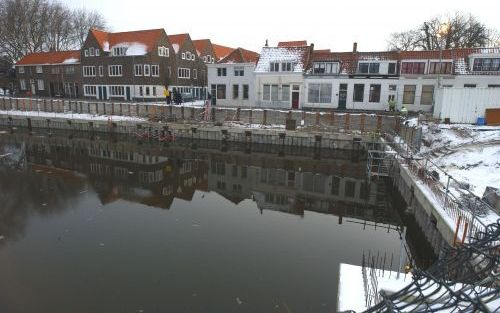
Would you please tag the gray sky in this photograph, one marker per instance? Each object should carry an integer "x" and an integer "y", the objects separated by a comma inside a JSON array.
[{"x": 326, "y": 23}]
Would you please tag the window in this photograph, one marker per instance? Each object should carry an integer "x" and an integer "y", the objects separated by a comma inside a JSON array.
[
  {"x": 221, "y": 91},
  {"x": 41, "y": 85},
  {"x": 266, "y": 94},
  {"x": 350, "y": 189},
  {"x": 245, "y": 92},
  {"x": 493, "y": 86},
  {"x": 70, "y": 70},
  {"x": 183, "y": 72},
  {"x": 88, "y": 71},
  {"x": 147, "y": 90},
  {"x": 20, "y": 69},
  {"x": 90, "y": 90},
  {"x": 86, "y": 52},
  {"x": 116, "y": 91},
  {"x": 183, "y": 55},
  {"x": 274, "y": 67},
  {"x": 239, "y": 71},
  {"x": 236, "y": 90},
  {"x": 469, "y": 85},
  {"x": 486, "y": 64},
  {"x": 413, "y": 68},
  {"x": 195, "y": 74},
  {"x": 325, "y": 68},
  {"x": 365, "y": 68},
  {"x": 374, "y": 93},
  {"x": 22, "y": 83},
  {"x": 193, "y": 57},
  {"x": 119, "y": 51},
  {"x": 138, "y": 69},
  {"x": 274, "y": 92},
  {"x": 101, "y": 71},
  {"x": 39, "y": 69},
  {"x": 96, "y": 52},
  {"x": 392, "y": 87},
  {"x": 155, "y": 70},
  {"x": 154, "y": 91},
  {"x": 445, "y": 68},
  {"x": 147, "y": 70},
  {"x": 359, "y": 90},
  {"x": 391, "y": 68},
  {"x": 205, "y": 58},
  {"x": 320, "y": 93},
  {"x": 427, "y": 94},
  {"x": 91, "y": 52},
  {"x": 285, "y": 93},
  {"x": 114, "y": 70},
  {"x": 286, "y": 66},
  {"x": 141, "y": 91},
  {"x": 163, "y": 51},
  {"x": 335, "y": 185},
  {"x": 221, "y": 71},
  {"x": 409, "y": 94}
]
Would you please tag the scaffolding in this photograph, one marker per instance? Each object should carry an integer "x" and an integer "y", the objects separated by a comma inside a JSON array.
[{"x": 379, "y": 163}]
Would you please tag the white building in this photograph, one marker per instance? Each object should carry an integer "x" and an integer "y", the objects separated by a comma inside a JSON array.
[
  {"x": 279, "y": 79},
  {"x": 232, "y": 79}
]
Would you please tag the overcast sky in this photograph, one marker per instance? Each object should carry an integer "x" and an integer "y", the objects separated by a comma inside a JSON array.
[{"x": 326, "y": 23}]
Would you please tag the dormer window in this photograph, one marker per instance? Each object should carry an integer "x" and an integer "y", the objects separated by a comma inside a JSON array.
[
  {"x": 163, "y": 51},
  {"x": 183, "y": 56},
  {"x": 434, "y": 67},
  {"x": 325, "y": 68},
  {"x": 412, "y": 67},
  {"x": 117, "y": 51},
  {"x": 96, "y": 52},
  {"x": 368, "y": 68},
  {"x": 391, "y": 68},
  {"x": 274, "y": 67},
  {"x": 86, "y": 52},
  {"x": 286, "y": 66},
  {"x": 91, "y": 52},
  {"x": 486, "y": 64},
  {"x": 188, "y": 55}
]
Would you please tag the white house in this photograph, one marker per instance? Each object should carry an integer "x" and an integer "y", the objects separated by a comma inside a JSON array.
[
  {"x": 232, "y": 79},
  {"x": 279, "y": 79}
]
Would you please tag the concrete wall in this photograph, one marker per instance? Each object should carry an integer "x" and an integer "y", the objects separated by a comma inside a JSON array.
[{"x": 465, "y": 105}]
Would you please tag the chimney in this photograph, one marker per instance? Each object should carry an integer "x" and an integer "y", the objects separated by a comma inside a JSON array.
[
  {"x": 266, "y": 45},
  {"x": 355, "y": 47}
]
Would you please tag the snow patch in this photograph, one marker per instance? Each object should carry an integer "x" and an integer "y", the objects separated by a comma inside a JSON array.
[
  {"x": 136, "y": 48},
  {"x": 105, "y": 46},
  {"x": 176, "y": 47},
  {"x": 70, "y": 61}
]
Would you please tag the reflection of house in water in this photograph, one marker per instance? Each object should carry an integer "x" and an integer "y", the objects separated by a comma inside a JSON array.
[{"x": 154, "y": 175}]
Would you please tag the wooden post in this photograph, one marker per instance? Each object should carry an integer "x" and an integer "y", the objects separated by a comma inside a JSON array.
[
  {"x": 264, "y": 117},
  {"x": 347, "y": 122},
  {"x": 362, "y": 122},
  {"x": 465, "y": 233},
  {"x": 332, "y": 118},
  {"x": 317, "y": 118},
  {"x": 379, "y": 123},
  {"x": 456, "y": 230},
  {"x": 250, "y": 118},
  {"x": 238, "y": 114}
]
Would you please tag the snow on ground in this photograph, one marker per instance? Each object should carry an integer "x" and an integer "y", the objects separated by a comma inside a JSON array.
[
  {"x": 80, "y": 116},
  {"x": 351, "y": 290}
]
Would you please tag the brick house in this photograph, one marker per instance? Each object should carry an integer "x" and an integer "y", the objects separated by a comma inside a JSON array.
[
  {"x": 210, "y": 52},
  {"x": 135, "y": 65},
  {"x": 50, "y": 74},
  {"x": 190, "y": 72}
]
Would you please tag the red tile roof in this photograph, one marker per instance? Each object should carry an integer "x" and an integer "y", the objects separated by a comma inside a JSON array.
[
  {"x": 58, "y": 57},
  {"x": 296, "y": 43},
  {"x": 149, "y": 38},
  {"x": 240, "y": 55},
  {"x": 201, "y": 44},
  {"x": 178, "y": 39},
  {"x": 221, "y": 51}
]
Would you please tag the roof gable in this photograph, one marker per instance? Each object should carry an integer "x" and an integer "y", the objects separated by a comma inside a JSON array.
[
  {"x": 240, "y": 55},
  {"x": 141, "y": 41},
  {"x": 177, "y": 41},
  {"x": 57, "y": 57},
  {"x": 221, "y": 51},
  {"x": 201, "y": 45}
]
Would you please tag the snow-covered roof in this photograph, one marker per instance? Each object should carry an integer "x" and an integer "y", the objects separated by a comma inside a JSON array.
[
  {"x": 176, "y": 47},
  {"x": 297, "y": 55},
  {"x": 138, "y": 42},
  {"x": 133, "y": 48},
  {"x": 71, "y": 60}
]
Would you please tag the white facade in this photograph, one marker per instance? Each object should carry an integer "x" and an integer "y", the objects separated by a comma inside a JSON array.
[
  {"x": 232, "y": 84},
  {"x": 279, "y": 90}
]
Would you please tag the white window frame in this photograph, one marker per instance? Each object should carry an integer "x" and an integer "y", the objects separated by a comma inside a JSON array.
[
  {"x": 101, "y": 71},
  {"x": 96, "y": 52},
  {"x": 22, "y": 83},
  {"x": 119, "y": 51},
  {"x": 89, "y": 90},
  {"x": 147, "y": 68},
  {"x": 205, "y": 59},
  {"x": 183, "y": 73},
  {"x": 91, "y": 51},
  {"x": 40, "y": 83},
  {"x": 20, "y": 69},
  {"x": 39, "y": 69},
  {"x": 89, "y": 71},
  {"x": 195, "y": 74},
  {"x": 115, "y": 70},
  {"x": 86, "y": 52},
  {"x": 138, "y": 70},
  {"x": 193, "y": 57},
  {"x": 183, "y": 56},
  {"x": 117, "y": 91},
  {"x": 155, "y": 70}
]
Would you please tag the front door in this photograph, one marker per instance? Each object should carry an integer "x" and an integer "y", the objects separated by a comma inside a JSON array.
[
  {"x": 214, "y": 94},
  {"x": 295, "y": 99},
  {"x": 342, "y": 96},
  {"x": 52, "y": 89},
  {"x": 100, "y": 92},
  {"x": 128, "y": 92},
  {"x": 104, "y": 93}
]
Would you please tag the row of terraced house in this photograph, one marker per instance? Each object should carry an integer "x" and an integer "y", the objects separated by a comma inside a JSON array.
[{"x": 140, "y": 65}]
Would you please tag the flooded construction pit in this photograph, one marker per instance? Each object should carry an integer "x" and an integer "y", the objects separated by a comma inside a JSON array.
[{"x": 91, "y": 224}]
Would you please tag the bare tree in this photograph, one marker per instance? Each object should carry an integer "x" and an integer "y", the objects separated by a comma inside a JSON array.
[
  {"x": 457, "y": 31},
  {"x": 28, "y": 26},
  {"x": 84, "y": 20}
]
